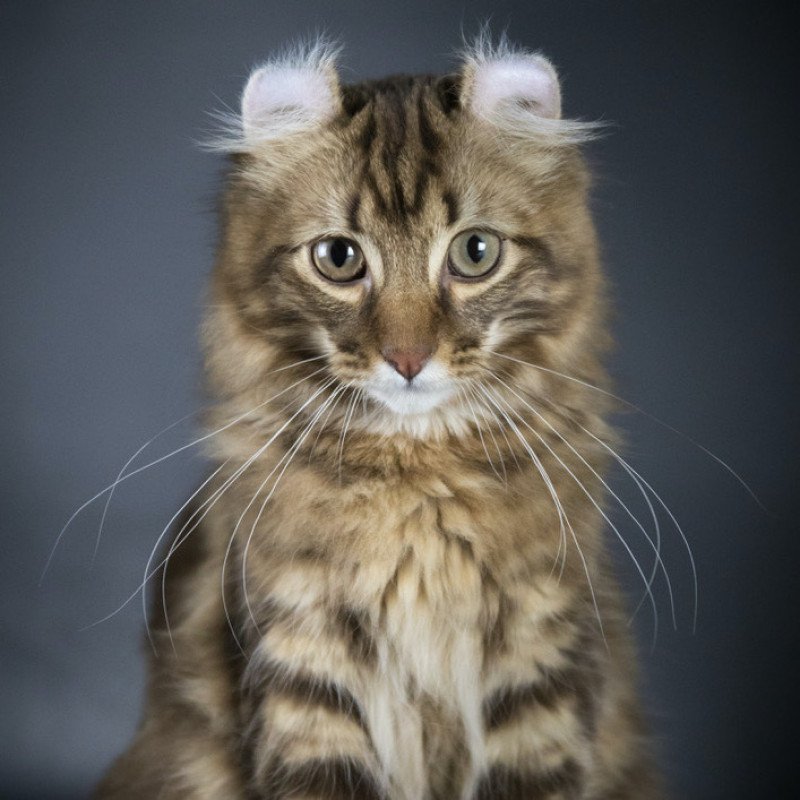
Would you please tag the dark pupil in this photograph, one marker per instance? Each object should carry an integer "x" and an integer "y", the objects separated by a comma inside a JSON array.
[
  {"x": 339, "y": 253},
  {"x": 476, "y": 248}
]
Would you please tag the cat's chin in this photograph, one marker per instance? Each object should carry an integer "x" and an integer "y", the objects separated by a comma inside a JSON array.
[
  {"x": 441, "y": 420},
  {"x": 410, "y": 401},
  {"x": 431, "y": 389},
  {"x": 421, "y": 408}
]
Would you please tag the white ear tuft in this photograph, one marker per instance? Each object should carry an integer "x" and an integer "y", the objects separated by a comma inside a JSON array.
[
  {"x": 518, "y": 92},
  {"x": 289, "y": 95},
  {"x": 281, "y": 95},
  {"x": 528, "y": 81}
]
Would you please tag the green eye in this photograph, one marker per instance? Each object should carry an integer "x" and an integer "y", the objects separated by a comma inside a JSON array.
[
  {"x": 473, "y": 254},
  {"x": 339, "y": 259}
]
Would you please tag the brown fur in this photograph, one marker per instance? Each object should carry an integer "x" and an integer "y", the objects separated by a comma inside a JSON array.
[{"x": 407, "y": 616}]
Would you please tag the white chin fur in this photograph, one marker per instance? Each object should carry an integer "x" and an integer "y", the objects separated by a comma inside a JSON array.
[{"x": 430, "y": 389}]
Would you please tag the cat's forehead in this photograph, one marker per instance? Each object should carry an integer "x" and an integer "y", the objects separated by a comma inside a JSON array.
[
  {"x": 419, "y": 154},
  {"x": 402, "y": 89},
  {"x": 398, "y": 132}
]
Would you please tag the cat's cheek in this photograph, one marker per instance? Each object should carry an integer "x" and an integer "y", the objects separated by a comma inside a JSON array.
[{"x": 494, "y": 336}]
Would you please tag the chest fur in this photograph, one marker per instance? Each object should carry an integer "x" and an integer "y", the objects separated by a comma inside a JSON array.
[
  {"x": 419, "y": 569},
  {"x": 403, "y": 566},
  {"x": 426, "y": 704}
]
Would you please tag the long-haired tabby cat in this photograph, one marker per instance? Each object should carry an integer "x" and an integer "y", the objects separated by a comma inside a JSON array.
[{"x": 395, "y": 584}]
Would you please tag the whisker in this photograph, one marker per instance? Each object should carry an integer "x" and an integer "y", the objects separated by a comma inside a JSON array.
[
  {"x": 601, "y": 512},
  {"x": 608, "y": 488},
  {"x": 348, "y": 416},
  {"x": 563, "y": 518},
  {"x": 109, "y": 488},
  {"x": 322, "y": 427},
  {"x": 657, "y": 535},
  {"x": 150, "y": 441},
  {"x": 181, "y": 537},
  {"x": 118, "y": 478},
  {"x": 150, "y": 574},
  {"x": 647, "y": 414},
  {"x": 561, "y": 552},
  {"x": 644, "y": 487},
  {"x": 638, "y": 476},
  {"x": 121, "y": 478},
  {"x": 480, "y": 435},
  {"x": 235, "y": 477},
  {"x": 214, "y": 498},
  {"x": 288, "y": 458},
  {"x": 481, "y": 405}
]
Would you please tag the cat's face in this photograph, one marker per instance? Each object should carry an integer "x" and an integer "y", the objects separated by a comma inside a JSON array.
[{"x": 404, "y": 239}]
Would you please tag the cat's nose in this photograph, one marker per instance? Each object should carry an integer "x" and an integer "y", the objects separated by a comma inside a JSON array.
[{"x": 408, "y": 363}]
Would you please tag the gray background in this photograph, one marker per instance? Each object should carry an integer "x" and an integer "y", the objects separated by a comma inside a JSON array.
[{"x": 107, "y": 231}]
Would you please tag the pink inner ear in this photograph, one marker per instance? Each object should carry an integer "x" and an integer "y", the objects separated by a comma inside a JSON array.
[
  {"x": 531, "y": 81},
  {"x": 305, "y": 92}
]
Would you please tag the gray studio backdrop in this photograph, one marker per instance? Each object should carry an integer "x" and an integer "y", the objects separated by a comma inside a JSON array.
[{"x": 106, "y": 239}]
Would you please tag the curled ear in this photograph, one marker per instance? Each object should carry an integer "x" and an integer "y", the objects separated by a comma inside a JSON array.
[
  {"x": 294, "y": 93},
  {"x": 518, "y": 92},
  {"x": 285, "y": 96},
  {"x": 528, "y": 81}
]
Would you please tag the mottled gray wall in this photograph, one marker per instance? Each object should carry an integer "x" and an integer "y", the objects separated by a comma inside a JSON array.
[{"x": 106, "y": 238}]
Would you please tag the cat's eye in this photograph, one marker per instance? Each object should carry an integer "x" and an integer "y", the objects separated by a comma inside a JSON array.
[
  {"x": 473, "y": 254},
  {"x": 339, "y": 259}
]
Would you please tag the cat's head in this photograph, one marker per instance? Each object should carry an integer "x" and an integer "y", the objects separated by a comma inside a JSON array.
[{"x": 397, "y": 235}]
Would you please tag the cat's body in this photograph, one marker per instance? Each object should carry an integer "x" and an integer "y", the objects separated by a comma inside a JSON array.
[{"x": 399, "y": 592}]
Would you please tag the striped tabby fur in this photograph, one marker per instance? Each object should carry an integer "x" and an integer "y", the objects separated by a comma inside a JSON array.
[{"x": 385, "y": 604}]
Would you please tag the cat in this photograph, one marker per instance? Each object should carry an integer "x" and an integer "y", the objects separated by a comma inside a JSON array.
[{"x": 395, "y": 583}]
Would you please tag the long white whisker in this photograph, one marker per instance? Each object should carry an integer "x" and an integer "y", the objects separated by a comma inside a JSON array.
[
  {"x": 252, "y": 500},
  {"x": 338, "y": 394},
  {"x": 481, "y": 406},
  {"x": 607, "y": 487},
  {"x": 211, "y": 501},
  {"x": 121, "y": 478},
  {"x": 563, "y": 519},
  {"x": 596, "y": 505},
  {"x": 638, "y": 476},
  {"x": 348, "y": 416},
  {"x": 561, "y": 553},
  {"x": 559, "y": 508},
  {"x": 657, "y": 534},
  {"x": 148, "y": 574},
  {"x": 192, "y": 523},
  {"x": 480, "y": 435},
  {"x": 150, "y": 441},
  {"x": 288, "y": 458},
  {"x": 165, "y": 430},
  {"x": 727, "y": 467}
]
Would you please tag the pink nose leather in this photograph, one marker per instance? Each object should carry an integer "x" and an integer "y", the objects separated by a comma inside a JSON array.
[{"x": 408, "y": 363}]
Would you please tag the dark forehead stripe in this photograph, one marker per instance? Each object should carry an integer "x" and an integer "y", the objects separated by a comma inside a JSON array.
[
  {"x": 393, "y": 110},
  {"x": 429, "y": 137},
  {"x": 448, "y": 93},
  {"x": 368, "y": 132},
  {"x": 451, "y": 204},
  {"x": 393, "y": 105},
  {"x": 352, "y": 213},
  {"x": 397, "y": 132}
]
